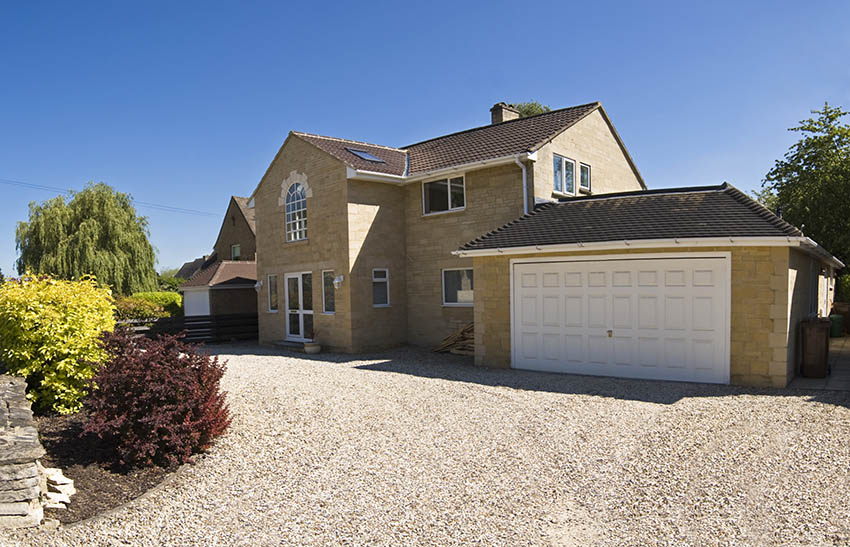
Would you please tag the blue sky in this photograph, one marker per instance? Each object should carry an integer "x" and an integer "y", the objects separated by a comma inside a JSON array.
[{"x": 184, "y": 104}]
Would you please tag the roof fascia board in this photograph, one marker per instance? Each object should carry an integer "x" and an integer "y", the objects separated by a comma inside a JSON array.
[
  {"x": 790, "y": 241},
  {"x": 359, "y": 174}
]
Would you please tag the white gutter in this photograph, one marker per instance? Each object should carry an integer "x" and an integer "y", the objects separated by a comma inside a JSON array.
[
  {"x": 374, "y": 176},
  {"x": 804, "y": 242},
  {"x": 524, "y": 184}
]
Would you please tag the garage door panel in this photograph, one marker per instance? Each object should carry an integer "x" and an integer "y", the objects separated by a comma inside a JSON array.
[
  {"x": 640, "y": 318},
  {"x": 574, "y": 316},
  {"x": 597, "y": 311},
  {"x": 622, "y": 312},
  {"x": 528, "y": 307}
]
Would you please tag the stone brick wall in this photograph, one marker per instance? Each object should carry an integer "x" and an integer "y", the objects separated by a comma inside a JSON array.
[
  {"x": 376, "y": 239},
  {"x": 326, "y": 247},
  {"x": 493, "y": 197},
  {"x": 235, "y": 230},
  {"x": 592, "y": 142},
  {"x": 759, "y": 315},
  {"x": 21, "y": 485}
]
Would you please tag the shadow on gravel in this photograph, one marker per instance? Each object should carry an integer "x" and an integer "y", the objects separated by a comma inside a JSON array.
[{"x": 426, "y": 364}]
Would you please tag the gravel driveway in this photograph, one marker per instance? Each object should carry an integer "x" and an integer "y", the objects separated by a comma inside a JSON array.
[{"x": 409, "y": 447}]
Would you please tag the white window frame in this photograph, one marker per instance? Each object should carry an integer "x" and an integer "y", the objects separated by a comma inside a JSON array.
[
  {"x": 448, "y": 180},
  {"x": 298, "y": 235},
  {"x": 589, "y": 177},
  {"x": 324, "y": 301},
  {"x": 269, "y": 292},
  {"x": 576, "y": 183},
  {"x": 380, "y": 280},
  {"x": 443, "y": 287},
  {"x": 238, "y": 247}
]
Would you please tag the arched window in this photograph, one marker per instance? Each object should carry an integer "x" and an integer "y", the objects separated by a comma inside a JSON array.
[{"x": 296, "y": 212}]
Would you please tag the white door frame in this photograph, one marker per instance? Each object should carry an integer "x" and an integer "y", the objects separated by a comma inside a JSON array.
[
  {"x": 300, "y": 308},
  {"x": 637, "y": 256}
]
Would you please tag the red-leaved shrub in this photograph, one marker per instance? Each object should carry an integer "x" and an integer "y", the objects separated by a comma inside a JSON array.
[{"x": 156, "y": 401}]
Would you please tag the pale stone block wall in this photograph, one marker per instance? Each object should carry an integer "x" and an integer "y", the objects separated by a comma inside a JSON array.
[
  {"x": 759, "y": 299},
  {"x": 376, "y": 239},
  {"x": 493, "y": 198},
  {"x": 589, "y": 141},
  {"x": 326, "y": 247}
]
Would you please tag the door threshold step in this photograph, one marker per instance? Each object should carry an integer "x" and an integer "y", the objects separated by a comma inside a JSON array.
[{"x": 292, "y": 346}]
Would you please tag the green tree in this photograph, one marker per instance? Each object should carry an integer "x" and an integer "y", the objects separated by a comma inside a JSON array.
[
  {"x": 766, "y": 197},
  {"x": 812, "y": 181},
  {"x": 96, "y": 233},
  {"x": 531, "y": 108}
]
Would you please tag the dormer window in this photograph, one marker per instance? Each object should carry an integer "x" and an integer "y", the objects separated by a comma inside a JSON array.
[
  {"x": 564, "y": 175},
  {"x": 584, "y": 179},
  {"x": 235, "y": 252},
  {"x": 364, "y": 155}
]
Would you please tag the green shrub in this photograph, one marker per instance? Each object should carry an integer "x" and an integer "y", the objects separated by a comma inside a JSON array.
[
  {"x": 132, "y": 308},
  {"x": 842, "y": 288},
  {"x": 49, "y": 334},
  {"x": 171, "y": 302}
]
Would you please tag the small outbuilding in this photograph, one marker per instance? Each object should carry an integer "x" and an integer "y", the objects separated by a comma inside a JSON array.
[
  {"x": 224, "y": 288},
  {"x": 692, "y": 284}
]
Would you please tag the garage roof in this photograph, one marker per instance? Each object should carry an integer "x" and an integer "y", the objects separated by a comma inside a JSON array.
[
  {"x": 224, "y": 273},
  {"x": 698, "y": 212}
]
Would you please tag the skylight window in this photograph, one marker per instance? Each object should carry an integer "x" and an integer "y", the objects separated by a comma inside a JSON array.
[{"x": 362, "y": 154}]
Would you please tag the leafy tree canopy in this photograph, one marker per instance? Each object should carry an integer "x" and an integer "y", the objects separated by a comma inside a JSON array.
[
  {"x": 812, "y": 182},
  {"x": 96, "y": 232},
  {"x": 531, "y": 108}
]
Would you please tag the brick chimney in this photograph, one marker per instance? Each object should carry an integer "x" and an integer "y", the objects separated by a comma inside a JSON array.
[{"x": 502, "y": 112}]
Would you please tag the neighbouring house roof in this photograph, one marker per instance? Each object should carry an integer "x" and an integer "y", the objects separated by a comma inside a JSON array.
[
  {"x": 247, "y": 212},
  {"x": 224, "y": 273},
  {"x": 701, "y": 212},
  {"x": 188, "y": 269},
  {"x": 499, "y": 140}
]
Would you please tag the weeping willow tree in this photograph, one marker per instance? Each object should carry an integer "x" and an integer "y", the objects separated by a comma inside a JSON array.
[{"x": 96, "y": 232}]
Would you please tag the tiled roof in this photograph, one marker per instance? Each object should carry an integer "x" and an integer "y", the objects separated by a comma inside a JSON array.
[
  {"x": 188, "y": 269},
  {"x": 495, "y": 140},
  {"x": 477, "y": 144},
  {"x": 225, "y": 272},
  {"x": 247, "y": 212},
  {"x": 395, "y": 160},
  {"x": 713, "y": 211}
]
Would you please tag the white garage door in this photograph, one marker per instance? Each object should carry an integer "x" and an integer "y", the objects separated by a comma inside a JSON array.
[
  {"x": 196, "y": 302},
  {"x": 644, "y": 318}
]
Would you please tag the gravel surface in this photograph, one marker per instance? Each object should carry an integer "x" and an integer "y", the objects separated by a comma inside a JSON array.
[{"x": 409, "y": 447}]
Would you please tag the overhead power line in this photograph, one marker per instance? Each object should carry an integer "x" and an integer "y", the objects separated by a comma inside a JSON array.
[{"x": 146, "y": 204}]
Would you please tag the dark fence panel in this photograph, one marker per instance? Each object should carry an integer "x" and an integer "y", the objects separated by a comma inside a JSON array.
[{"x": 201, "y": 328}]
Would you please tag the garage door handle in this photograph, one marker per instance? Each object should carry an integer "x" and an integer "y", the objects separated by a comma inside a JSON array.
[{"x": 610, "y": 333}]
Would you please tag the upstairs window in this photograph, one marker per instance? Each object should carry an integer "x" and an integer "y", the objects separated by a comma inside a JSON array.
[
  {"x": 584, "y": 181},
  {"x": 444, "y": 195},
  {"x": 564, "y": 175},
  {"x": 296, "y": 212},
  {"x": 235, "y": 252}
]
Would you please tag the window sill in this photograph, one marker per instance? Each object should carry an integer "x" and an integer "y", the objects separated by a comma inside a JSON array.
[
  {"x": 272, "y": 311},
  {"x": 328, "y": 313},
  {"x": 438, "y": 213},
  {"x": 558, "y": 194},
  {"x": 380, "y": 305},
  {"x": 585, "y": 191},
  {"x": 297, "y": 242},
  {"x": 450, "y": 305}
]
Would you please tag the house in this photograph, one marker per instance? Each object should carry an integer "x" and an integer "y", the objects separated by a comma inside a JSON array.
[
  {"x": 363, "y": 246},
  {"x": 224, "y": 282},
  {"x": 236, "y": 240}
]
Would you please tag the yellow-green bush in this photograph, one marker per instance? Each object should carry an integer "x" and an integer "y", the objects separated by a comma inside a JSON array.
[
  {"x": 132, "y": 308},
  {"x": 50, "y": 334},
  {"x": 171, "y": 302}
]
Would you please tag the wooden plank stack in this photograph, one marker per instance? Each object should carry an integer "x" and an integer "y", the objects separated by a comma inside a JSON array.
[{"x": 460, "y": 342}]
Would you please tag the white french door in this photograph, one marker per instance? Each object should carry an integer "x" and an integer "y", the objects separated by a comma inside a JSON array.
[{"x": 299, "y": 306}]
